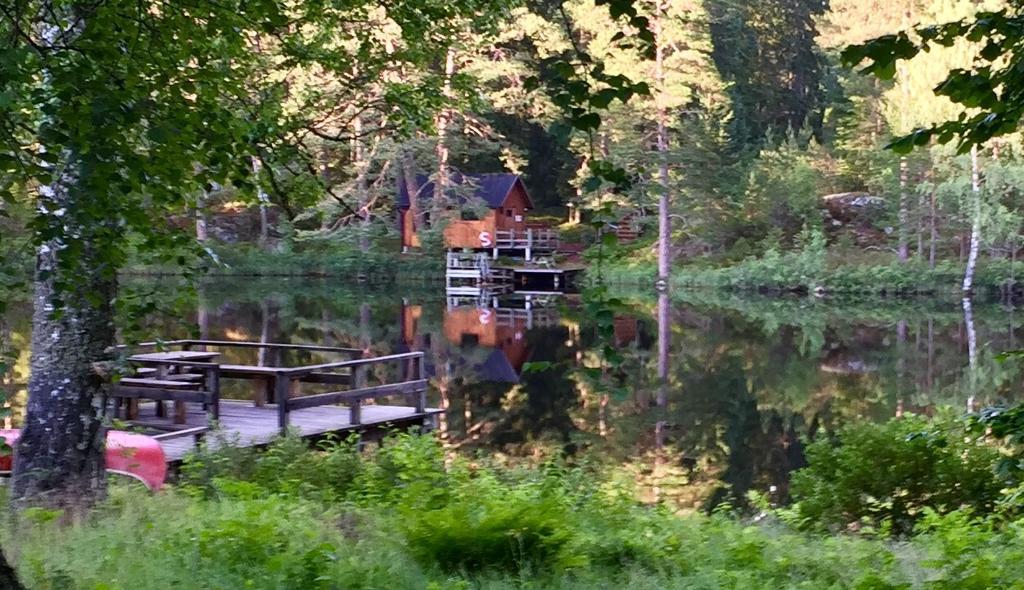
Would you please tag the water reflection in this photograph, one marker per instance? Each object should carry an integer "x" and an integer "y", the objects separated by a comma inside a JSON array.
[{"x": 710, "y": 398}]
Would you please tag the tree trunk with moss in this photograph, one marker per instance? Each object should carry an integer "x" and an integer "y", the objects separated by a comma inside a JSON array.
[{"x": 58, "y": 460}]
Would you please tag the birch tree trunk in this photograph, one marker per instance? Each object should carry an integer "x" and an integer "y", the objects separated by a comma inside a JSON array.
[
  {"x": 443, "y": 120},
  {"x": 920, "y": 226},
  {"x": 362, "y": 194},
  {"x": 201, "y": 233},
  {"x": 972, "y": 255},
  {"x": 202, "y": 316},
  {"x": 58, "y": 460},
  {"x": 261, "y": 356},
  {"x": 664, "y": 339},
  {"x": 903, "y": 248},
  {"x": 972, "y": 353},
  {"x": 664, "y": 221},
  {"x": 59, "y": 457},
  {"x": 933, "y": 234},
  {"x": 261, "y": 196}
]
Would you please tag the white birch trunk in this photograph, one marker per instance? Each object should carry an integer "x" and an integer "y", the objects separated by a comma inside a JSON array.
[
  {"x": 443, "y": 120},
  {"x": 362, "y": 194},
  {"x": 264, "y": 200},
  {"x": 902, "y": 249},
  {"x": 972, "y": 353},
  {"x": 201, "y": 233},
  {"x": 59, "y": 457},
  {"x": 664, "y": 221},
  {"x": 972, "y": 255}
]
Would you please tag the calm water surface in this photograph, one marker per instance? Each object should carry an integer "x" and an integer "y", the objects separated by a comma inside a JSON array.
[{"x": 720, "y": 404}]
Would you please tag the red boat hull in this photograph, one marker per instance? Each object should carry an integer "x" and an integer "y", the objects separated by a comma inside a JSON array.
[{"x": 136, "y": 455}]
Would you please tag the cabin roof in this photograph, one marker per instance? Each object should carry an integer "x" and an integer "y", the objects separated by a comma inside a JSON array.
[
  {"x": 492, "y": 188},
  {"x": 498, "y": 368}
]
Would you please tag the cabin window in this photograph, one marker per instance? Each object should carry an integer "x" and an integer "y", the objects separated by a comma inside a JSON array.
[{"x": 508, "y": 213}]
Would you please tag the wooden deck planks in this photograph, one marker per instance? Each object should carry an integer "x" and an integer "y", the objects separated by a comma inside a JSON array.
[{"x": 255, "y": 425}]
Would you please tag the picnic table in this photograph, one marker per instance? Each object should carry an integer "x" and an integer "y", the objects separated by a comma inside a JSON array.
[
  {"x": 167, "y": 376},
  {"x": 174, "y": 355}
]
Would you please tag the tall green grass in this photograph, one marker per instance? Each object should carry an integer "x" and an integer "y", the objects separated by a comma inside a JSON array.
[{"x": 407, "y": 516}]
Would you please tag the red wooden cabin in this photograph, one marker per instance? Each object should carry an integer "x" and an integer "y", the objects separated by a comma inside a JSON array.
[{"x": 504, "y": 226}]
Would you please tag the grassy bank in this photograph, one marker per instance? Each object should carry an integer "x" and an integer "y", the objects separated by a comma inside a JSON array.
[
  {"x": 818, "y": 271},
  {"x": 320, "y": 261},
  {"x": 404, "y": 516}
]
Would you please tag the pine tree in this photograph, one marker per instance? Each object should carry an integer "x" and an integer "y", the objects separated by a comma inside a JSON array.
[{"x": 766, "y": 51}]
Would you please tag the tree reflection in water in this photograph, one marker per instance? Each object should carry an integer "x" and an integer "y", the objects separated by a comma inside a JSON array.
[{"x": 707, "y": 399}]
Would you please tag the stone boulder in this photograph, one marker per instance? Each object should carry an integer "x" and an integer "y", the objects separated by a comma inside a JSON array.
[{"x": 855, "y": 207}]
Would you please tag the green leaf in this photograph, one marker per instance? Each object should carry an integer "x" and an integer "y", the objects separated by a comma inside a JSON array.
[
  {"x": 603, "y": 98},
  {"x": 536, "y": 366},
  {"x": 587, "y": 122}
]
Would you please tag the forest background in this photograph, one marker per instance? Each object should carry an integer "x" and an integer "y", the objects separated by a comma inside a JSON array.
[{"x": 778, "y": 176}]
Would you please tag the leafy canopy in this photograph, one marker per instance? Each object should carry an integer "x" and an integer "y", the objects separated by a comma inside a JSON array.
[
  {"x": 143, "y": 104},
  {"x": 992, "y": 89}
]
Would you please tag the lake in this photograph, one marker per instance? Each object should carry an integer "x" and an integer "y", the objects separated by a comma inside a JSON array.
[{"x": 704, "y": 398}]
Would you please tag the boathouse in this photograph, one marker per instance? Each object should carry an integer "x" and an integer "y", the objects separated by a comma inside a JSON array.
[{"x": 502, "y": 226}]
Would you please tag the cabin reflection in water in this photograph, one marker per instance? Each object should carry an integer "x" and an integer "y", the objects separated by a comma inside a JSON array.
[{"x": 498, "y": 334}]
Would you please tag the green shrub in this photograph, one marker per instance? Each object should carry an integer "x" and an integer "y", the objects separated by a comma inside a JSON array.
[
  {"x": 286, "y": 466},
  {"x": 486, "y": 525},
  {"x": 884, "y": 476}
]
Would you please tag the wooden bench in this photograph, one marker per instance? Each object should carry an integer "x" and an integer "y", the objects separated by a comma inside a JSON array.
[{"x": 180, "y": 388}]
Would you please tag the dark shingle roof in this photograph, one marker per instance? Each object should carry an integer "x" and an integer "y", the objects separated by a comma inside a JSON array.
[
  {"x": 492, "y": 188},
  {"x": 497, "y": 368}
]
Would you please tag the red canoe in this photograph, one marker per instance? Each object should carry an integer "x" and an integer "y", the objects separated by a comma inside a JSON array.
[{"x": 135, "y": 455}]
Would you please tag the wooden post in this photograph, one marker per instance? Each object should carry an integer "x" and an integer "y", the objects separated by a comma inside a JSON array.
[
  {"x": 355, "y": 412},
  {"x": 529, "y": 242},
  {"x": 213, "y": 386},
  {"x": 161, "y": 411},
  {"x": 359, "y": 377},
  {"x": 265, "y": 393},
  {"x": 421, "y": 400},
  {"x": 180, "y": 412},
  {"x": 282, "y": 385}
]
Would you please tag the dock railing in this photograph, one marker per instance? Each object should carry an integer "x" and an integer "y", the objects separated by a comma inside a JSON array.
[
  {"x": 188, "y": 343},
  {"x": 283, "y": 381},
  {"x": 413, "y": 386},
  {"x": 529, "y": 239}
]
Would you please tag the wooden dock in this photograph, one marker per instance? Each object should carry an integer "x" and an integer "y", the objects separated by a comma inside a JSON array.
[
  {"x": 247, "y": 425},
  {"x": 191, "y": 381}
]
